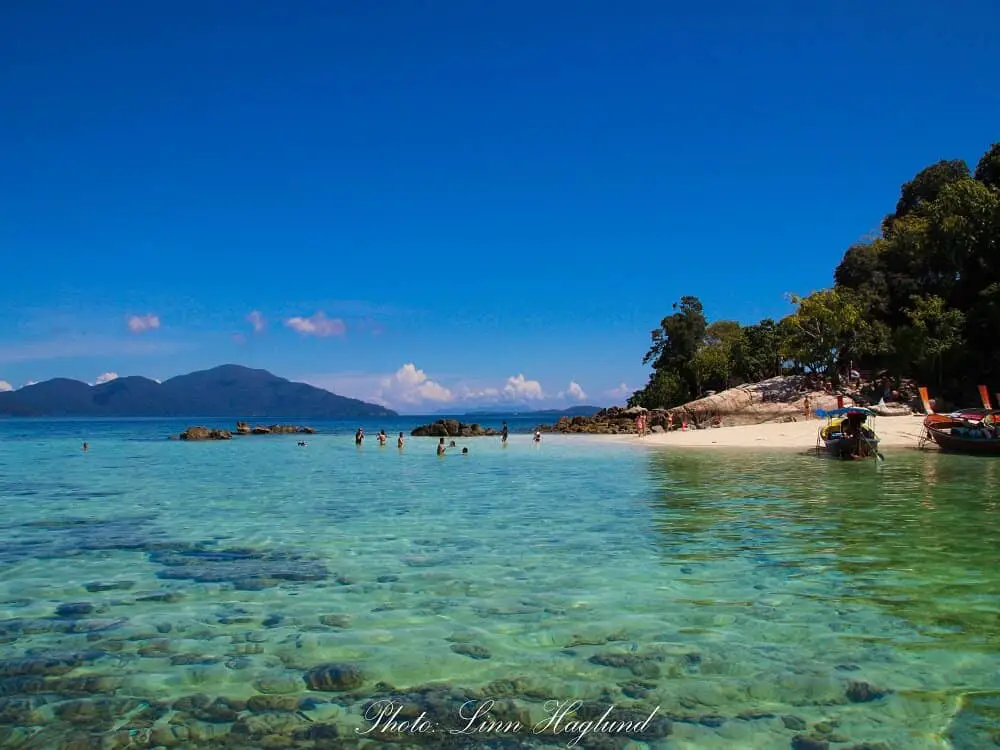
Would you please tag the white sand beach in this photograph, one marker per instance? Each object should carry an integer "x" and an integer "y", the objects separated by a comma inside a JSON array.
[{"x": 893, "y": 432}]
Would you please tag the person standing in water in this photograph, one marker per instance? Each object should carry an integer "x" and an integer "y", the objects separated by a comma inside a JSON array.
[
  {"x": 382, "y": 438},
  {"x": 503, "y": 433},
  {"x": 441, "y": 449},
  {"x": 359, "y": 437},
  {"x": 399, "y": 441}
]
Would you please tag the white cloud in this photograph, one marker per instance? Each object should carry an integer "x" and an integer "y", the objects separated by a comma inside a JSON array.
[
  {"x": 479, "y": 394},
  {"x": 409, "y": 385},
  {"x": 5, "y": 386},
  {"x": 317, "y": 325},
  {"x": 257, "y": 321},
  {"x": 140, "y": 323},
  {"x": 518, "y": 388},
  {"x": 106, "y": 377},
  {"x": 410, "y": 388},
  {"x": 575, "y": 391},
  {"x": 622, "y": 391}
]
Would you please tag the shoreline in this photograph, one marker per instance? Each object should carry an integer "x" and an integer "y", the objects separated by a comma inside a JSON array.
[{"x": 893, "y": 432}]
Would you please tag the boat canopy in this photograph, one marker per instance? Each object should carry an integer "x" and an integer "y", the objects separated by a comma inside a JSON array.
[{"x": 845, "y": 410}]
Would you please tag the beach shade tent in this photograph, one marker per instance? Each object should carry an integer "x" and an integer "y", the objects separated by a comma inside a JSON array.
[
  {"x": 636, "y": 410},
  {"x": 844, "y": 411}
]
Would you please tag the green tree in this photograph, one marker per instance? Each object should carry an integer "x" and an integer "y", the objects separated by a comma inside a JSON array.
[
  {"x": 926, "y": 185},
  {"x": 672, "y": 351},
  {"x": 757, "y": 354},
  {"x": 680, "y": 334},
  {"x": 664, "y": 389},
  {"x": 935, "y": 331},
  {"x": 821, "y": 328},
  {"x": 712, "y": 364},
  {"x": 988, "y": 168}
]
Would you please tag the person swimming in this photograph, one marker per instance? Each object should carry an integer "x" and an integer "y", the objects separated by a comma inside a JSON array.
[
  {"x": 441, "y": 449},
  {"x": 302, "y": 443},
  {"x": 399, "y": 441},
  {"x": 451, "y": 444},
  {"x": 465, "y": 451}
]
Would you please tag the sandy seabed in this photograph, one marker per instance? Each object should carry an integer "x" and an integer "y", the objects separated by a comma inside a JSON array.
[{"x": 893, "y": 432}]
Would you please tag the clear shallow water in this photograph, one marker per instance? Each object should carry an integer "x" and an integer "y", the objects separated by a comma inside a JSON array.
[{"x": 749, "y": 598}]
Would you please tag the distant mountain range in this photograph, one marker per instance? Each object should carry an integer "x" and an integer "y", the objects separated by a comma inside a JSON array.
[
  {"x": 573, "y": 411},
  {"x": 225, "y": 391}
]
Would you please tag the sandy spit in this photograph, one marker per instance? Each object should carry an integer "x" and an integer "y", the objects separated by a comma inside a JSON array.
[{"x": 893, "y": 432}]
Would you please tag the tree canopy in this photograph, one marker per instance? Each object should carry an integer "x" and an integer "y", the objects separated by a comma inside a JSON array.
[{"x": 921, "y": 299}]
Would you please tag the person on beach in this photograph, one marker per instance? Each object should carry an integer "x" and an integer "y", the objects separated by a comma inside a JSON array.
[
  {"x": 382, "y": 438},
  {"x": 805, "y": 406},
  {"x": 441, "y": 449},
  {"x": 503, "y": 434},
  {"x": 399, "y": 441},
  {"x": 359, "y": 436}
]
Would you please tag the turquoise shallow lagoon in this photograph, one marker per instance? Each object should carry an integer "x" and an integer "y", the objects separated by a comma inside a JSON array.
[{"x": 253, "y": 593}]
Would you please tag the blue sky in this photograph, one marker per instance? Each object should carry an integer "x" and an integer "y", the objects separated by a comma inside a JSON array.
[{"x": 450, "y": 202}]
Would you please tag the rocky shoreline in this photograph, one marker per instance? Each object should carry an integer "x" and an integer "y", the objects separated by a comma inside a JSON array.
[
  {"x": 782, "y": 399},
  {"x": 242, "y": 428}
]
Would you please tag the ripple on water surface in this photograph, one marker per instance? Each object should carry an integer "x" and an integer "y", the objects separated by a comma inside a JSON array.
[{"x": 257, "y": 594}]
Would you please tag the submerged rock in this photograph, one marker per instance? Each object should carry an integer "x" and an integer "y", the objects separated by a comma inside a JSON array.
[
  {"x": 335, "y": 621},
  {"x": 863, "y": 692},
  {"x": 471, "y": 650},
  {"x": 247, "y": 569},
  {"x": 334, "y": 677},
  {"x": 74, "y": 609},
  {"x": 806, "y": 742},
  {"x": 97, "y": 586}
]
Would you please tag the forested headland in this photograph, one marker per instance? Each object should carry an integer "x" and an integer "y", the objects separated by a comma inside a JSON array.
[{"x": 921, "y": 299}]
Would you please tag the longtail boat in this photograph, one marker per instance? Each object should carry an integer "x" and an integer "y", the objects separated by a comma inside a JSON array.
[
  {"x": 972, "y": 431},
  {"x": 849, "y": 433}
]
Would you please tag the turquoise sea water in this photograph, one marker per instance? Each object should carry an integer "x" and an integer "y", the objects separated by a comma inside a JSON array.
[{"x": 253, "y": 593}]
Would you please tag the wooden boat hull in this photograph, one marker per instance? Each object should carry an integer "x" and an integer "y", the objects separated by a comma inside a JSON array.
[
  {"x": 955, "y": 444},
  {"x": 837, "y": 444},
  {"x": 844, "y": 446}
]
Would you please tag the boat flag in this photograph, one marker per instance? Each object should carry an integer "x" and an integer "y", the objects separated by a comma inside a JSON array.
[
  {"x": 985, "y": 396},
  {"x": 926, "y": 400}
]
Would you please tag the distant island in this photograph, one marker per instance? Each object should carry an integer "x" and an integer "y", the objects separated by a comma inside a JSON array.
[{"x": 224, "y": 391}]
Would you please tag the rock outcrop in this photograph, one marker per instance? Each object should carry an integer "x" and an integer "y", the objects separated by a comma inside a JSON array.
[
  {"x": 205, "y": 433},
  {"x": 243, "y": 428},
  {"x": 781, "y": 399},
  {"x": 452, "y": 428}
]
